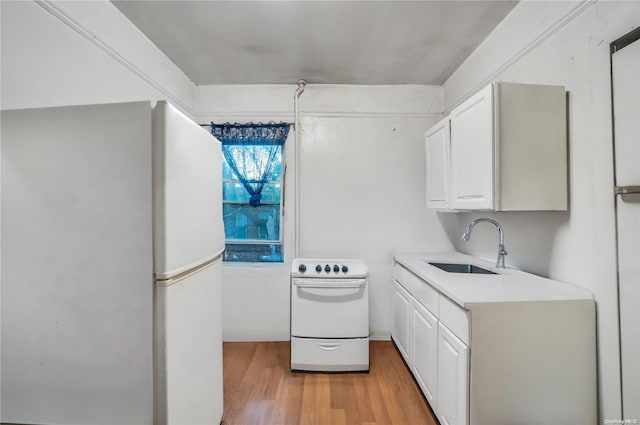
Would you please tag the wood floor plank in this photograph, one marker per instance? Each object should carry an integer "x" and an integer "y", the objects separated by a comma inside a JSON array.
[{"x": 260, "y": 389}]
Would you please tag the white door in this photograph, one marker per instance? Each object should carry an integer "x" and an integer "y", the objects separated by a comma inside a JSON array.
[
  {"x": 626, "y": 110},
  {"x": 401, "y": 320},
  {"x": 187, "y": 167},
  {"x": 189, "y": 349},
  {"x": 453, "y": 379},
  {"x": 437, "y": 165},
  {"x": 324, "y": 308},
  {"x": 472, "y": 155},
  {"x": 424, "y": 342}
]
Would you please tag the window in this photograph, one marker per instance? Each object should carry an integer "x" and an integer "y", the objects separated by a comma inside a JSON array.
[
  {"x": 252, "y": 187},
  {"x": 252, "y": 233}
]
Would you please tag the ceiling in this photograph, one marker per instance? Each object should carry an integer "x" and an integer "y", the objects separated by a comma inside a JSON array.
[{"x": 323, "y": 42}]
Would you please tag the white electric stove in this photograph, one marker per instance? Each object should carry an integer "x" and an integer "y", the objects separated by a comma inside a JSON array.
[{"x": 329, "y": 315}]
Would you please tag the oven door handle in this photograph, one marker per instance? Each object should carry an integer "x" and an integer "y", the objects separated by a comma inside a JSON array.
[
  {"x": 329, "y": 347},
  {"x": 343, "y": 283}
]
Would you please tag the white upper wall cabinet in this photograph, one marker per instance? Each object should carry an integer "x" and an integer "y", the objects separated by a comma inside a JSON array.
[
  {"x": 437, "y": 150},
  {"x": 508, "y": 151}
]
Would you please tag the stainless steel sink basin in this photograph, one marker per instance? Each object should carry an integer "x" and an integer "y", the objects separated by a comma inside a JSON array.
[{"x": 461, "y": 268}]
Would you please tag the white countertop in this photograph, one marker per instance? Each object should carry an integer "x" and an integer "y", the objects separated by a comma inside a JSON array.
[{"x": 509, "y": 285}]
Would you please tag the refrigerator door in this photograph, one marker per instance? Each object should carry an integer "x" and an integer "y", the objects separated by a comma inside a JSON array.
[
  {"x": 189, "y": 349},
  {"x": 187, "y": 168}
]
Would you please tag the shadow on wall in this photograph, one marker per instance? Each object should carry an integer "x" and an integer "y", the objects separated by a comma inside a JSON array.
[{"x": 529, "y": 236}]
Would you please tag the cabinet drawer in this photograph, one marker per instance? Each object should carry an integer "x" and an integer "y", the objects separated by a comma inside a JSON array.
[
  {"x": 419, "y": 289},
  {"x": 455, "y": 318}
]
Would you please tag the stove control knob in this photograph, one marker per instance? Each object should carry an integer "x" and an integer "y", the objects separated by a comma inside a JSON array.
[
  {"x": 318, "y": 268},
  {"x": 345, "y": 269},
  {"x": 327, "y": 268},
  {"x": 302, "y": 268},
  {"x": 336, "y": 269}
]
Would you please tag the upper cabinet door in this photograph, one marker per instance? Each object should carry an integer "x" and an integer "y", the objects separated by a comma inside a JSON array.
[
  {"x": 472, "y": 154},
  {"x": 437, "y": 151}
]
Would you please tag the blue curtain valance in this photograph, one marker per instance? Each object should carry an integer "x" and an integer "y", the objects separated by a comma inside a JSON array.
[
  {"x": 251, "y": 133},
  {"x": 251, "y": 150}
]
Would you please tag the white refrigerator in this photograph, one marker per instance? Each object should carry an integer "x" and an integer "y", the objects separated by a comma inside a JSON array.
[
  {"x": 625, "y": 68},
  {"x": 111, "y": 242}
]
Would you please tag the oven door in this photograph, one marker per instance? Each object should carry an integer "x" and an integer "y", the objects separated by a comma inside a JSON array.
[{"x": 329, "y": 308}]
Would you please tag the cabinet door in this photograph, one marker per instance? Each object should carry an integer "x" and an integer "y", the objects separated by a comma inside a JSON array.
[
  {"x": 472, "y": 152},
  {"x": 424, "y": 338},
  {"x": 437, "y": 165},
  {"x": 401, "y": 316},
  {"x": 453, "y": 379}
]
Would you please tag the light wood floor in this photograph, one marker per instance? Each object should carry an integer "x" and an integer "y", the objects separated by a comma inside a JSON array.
[{"x": 259, "y": 388}]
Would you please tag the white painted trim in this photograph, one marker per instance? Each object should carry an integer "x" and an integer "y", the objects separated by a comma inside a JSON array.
[
  {"x": 564, "y": 20},
  {"x": 76, "y": 26},
  {"x": 386, "y": 336},
  {"x": 321, "y": 114},
  {"x": 371, "y": 114}
]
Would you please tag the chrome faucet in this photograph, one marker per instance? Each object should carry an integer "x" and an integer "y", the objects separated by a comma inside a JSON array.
[{"x": 501, "y": 250}]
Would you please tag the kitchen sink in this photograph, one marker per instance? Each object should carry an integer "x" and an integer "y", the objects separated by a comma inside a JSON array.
[{"x": 461, "y": 268}]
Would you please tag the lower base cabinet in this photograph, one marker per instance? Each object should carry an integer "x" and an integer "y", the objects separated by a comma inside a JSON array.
[
  {"x": 438, "y": 359},
  {"x": 424, "y": 338},
  {"x": 500, "y": 362},
  {"x": 453, "y": 378},
  {"x": 401, "y": 316}
]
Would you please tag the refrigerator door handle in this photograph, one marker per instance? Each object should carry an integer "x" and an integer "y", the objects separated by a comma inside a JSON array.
[
  {"x": 164, "y": 282},
  {"x": 627, "y": 190},
  {"x": 628, "y": 193}
]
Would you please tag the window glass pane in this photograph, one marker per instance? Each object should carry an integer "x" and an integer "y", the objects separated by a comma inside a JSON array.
[
  {"x": 271, "y": 192},
  {"x": 253, "y": 252},
  {"x": 235, "y": 192},
  {"x": 260, "y": 155},
  {"x": 244, "y": 222}
]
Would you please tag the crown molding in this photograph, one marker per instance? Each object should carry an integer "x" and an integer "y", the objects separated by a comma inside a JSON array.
[{"x": 284, "y": 115}]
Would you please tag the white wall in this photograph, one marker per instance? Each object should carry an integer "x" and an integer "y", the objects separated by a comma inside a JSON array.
[
  {"x": 362, "y": 190},
  {"x": 68, "y": 53},
  {"x": 564, "y": 43}
]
